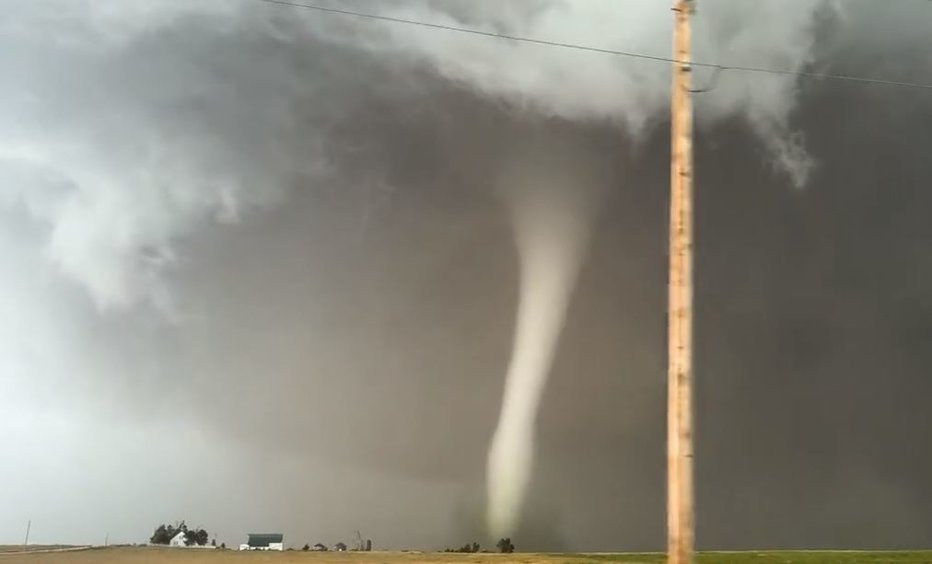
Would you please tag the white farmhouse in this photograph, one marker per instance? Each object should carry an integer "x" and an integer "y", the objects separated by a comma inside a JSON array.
[{"x": 178, "y": 540}]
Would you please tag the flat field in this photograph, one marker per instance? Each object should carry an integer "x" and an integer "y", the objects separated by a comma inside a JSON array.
[
  {"x": 34, "y": 547},
  {"x": 147, "y": 555}
]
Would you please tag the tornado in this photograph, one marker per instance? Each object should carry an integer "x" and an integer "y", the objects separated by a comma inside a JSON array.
[{"x": 551, "y": 212}]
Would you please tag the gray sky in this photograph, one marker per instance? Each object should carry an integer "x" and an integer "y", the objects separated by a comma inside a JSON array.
[{"x": 260, "y": 274}]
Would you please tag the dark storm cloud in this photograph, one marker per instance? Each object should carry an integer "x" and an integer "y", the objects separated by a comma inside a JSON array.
[{"x": 336, "y": 345}]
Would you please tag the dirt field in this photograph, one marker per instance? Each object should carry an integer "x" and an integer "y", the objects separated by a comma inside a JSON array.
[{"x": 184, "y": 556}]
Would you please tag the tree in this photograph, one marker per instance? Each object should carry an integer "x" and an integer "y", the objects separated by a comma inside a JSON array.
[
  {"x": 195, "y": 536},
  {"x": 160, "y": 536},
  {"x": 306, "y": 547},
  {"x": 505, "y": 546}
]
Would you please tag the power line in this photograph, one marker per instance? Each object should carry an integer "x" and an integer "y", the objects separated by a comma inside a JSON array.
[
  {"x": 472, "y": 31},
  {"x": 718, "y": 67}
]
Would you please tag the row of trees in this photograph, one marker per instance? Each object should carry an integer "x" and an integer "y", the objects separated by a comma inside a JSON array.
[
  {"x": 192, "y": 536},
  {"x": 467, "y": 548},
  {"x": 504, "y": 546}
]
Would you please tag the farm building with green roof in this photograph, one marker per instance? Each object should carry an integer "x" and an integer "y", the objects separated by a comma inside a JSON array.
[{"x": 264, "y": 541}]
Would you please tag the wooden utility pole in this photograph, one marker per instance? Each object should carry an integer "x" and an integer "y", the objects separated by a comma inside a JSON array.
[
  {"x": 26, "y": 541},
  {"x": 680, "y": 510}
]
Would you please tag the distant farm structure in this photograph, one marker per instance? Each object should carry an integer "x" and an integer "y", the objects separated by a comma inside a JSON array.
[
  {"x": 362, "y": 546},
  {"x": 179, "y": 540},
  {"x": 264, "y": 541},
  {"x": 179, "y": 536}
]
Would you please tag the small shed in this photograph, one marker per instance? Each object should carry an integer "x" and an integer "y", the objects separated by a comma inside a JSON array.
[{"x": 264, "y": 541}]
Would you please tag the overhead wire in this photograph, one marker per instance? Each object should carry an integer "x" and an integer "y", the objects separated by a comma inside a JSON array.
[{"x": 615, "y": 52}]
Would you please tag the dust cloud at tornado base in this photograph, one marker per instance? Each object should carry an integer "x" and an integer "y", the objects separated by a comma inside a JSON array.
[{"x": 345, "y": 352}]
